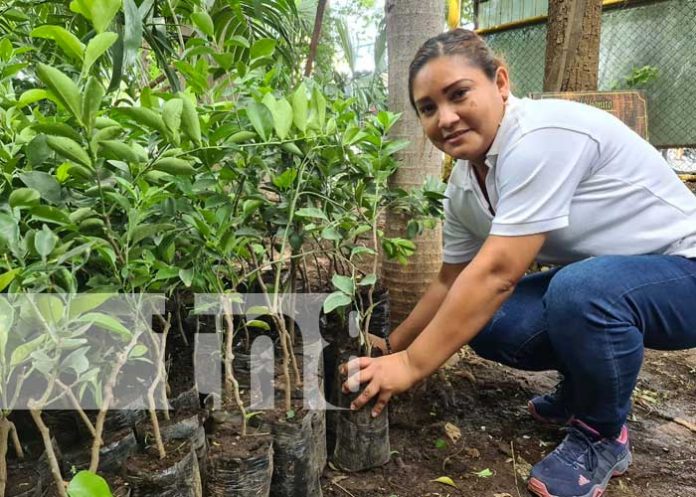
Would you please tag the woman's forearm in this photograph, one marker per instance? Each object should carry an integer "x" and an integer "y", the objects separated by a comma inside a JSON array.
[{"x": 470, "y": 303}]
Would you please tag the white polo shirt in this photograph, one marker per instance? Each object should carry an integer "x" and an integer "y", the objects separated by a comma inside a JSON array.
[{"x": 578, "y": 174}]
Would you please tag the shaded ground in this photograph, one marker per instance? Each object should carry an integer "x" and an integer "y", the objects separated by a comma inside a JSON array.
[{"x": 486, "y": 402}]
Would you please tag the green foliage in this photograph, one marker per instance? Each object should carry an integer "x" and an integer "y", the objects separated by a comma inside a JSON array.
[
  {"x": 639, "y": 78},
  {"x": 87, "y": 484}
]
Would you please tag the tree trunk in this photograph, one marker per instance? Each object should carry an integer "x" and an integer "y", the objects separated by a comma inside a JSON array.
[
  {"x": 409, "y": 24},
  {"x": 572, "y": 45},
  {"x": 319, "y": 19}
]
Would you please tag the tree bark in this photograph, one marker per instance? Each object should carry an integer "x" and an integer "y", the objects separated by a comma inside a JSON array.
[
  {"x": 572, "y": 45},
  {"x": 318, "y": 20},
  {"x": 409, "y": 24}
]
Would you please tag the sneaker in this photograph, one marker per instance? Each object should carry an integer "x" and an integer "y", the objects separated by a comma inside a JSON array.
[
  {"x": 550, "y": 408},
  {"x": 582, "y": 465}
]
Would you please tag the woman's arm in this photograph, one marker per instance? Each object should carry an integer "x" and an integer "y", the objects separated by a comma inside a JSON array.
[
  {"x": 475, "y": 296},
  {"x": 427, "y": 306}
]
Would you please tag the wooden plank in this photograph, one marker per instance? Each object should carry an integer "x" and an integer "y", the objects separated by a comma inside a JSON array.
[{"x": 630, "y": 106}]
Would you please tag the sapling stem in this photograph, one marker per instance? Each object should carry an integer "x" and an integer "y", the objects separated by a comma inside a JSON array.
[
  {"x": 76, "y": 405},
  {"x": 19, "y": 452},
  {"x": 152, "y": 408},
  {"x": 231, "y": 383},
  {"x": 4, "y": 435},
  {"x": 48, "y": 444},
  {"x": 121, "y": 359}
]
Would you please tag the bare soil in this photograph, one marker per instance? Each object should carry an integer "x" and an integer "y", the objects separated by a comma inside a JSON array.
[{"x": 485, "y": 403}]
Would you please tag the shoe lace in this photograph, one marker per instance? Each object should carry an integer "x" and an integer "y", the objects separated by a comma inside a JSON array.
[{"x": 578, "y": 444}]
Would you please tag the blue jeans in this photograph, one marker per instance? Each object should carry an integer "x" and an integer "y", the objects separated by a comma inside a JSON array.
[{"x": 591, "y": 320}]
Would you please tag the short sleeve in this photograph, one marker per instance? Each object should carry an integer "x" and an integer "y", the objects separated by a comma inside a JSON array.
[
  {"x": 460, "y": 245},
  {"x": 537, "y": 179}
]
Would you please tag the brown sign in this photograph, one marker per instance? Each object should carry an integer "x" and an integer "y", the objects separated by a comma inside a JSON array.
[{"x": 629, "y": 106}]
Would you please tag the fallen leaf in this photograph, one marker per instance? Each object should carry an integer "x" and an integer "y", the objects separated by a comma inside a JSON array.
[
  {"x": 502, "y": 495},
  {"x": 339, "y": 478},
  {"x": 445, "y": 480},
  {"x": 453, "y": 432},
  {"x": 473, "y": 453},
  {"x": 484, "y": 473}
]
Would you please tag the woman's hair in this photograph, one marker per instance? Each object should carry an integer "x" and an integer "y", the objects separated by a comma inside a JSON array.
[{"x": 455, "y": 42}]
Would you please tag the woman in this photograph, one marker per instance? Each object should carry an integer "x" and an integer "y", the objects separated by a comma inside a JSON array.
[{"x": 565, "y": 184}]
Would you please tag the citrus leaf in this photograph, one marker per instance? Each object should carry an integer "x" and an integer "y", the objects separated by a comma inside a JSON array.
[
  {"x": 88, "y": 484},
  {"x": 335, "y": 300},
  {"x": 96, "y": 48},
  {"x": 106, "y": 322},
  {"x": 64, "y": 88},
  {"x": 68, "y": 42}
]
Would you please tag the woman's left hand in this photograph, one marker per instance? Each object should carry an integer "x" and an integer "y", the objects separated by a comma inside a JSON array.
[{"x": 387, "y": 375}]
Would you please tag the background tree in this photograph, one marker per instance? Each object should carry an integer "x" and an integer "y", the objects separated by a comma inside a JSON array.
[
  {"x": 409, "y": 24},
  {"x": 572, "y": 45}
]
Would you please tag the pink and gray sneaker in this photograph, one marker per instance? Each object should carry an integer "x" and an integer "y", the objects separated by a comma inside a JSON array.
[{"x": 582, "y": 465}]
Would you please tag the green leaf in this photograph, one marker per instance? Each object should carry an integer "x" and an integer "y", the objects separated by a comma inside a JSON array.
[
  {"x": 86, "y": 302},
  {"x": 335, "y": 300},
  {"x": 88, "y": 484},
  {"x": 485, "y": 473},
  {"x": 186, "y": 276},
  {"x": 6, "y": 320},
  {"x": 330, "y": 233},
  {"x": 138, "y": 351},
  {"x": 68, "y": 42},
  {"x": 299, "y": 107},
  {"x": 292, "y": 148},
  {"x": 261, "y": 119},
  {"x": 281, "y": 110},
  {"x": 445, "y": 480},
  {"x": 143, "y": 231},
  {"x": 256, "y": 323},
  {"x": 318, "y": 117},
  {"x": 69, "y": 149},
  {"x": 132, "y": 32},
  {"x": 369, "y": 279},
  {"x": 262, "y": 48},
  {"x": 22, "y": 353},
  {"x": 311, "y": 212},
  {"x": 171, "y": 114},
  {"x": 440, "y": 444},
  {"x": 174, "y": 166},
  {"x": 51, "y": 308},
  {"x": 241, "y": 136},
  {"x": 204, "y": 22},
  {"x": 189, "y": 120},
  {"x": 100, "y": 12},
  {"x": 31, "y": 96},
  {"x": 96, "y": 48},
  {"x": 106, "y": 322},
  {"x": 94, "y": 93},
  {"x": 146, "y": 117},
  {"x": 117, "y": 150},
  {"x": 57, "y": 129},
  {"x": 49, "y": 214},
  {"x": 45, "y": 241},
  {"x": 64, "y": 88},
  {"x": 286, "y": 179},
  {"x": 24, "y": 197},
  {"x": 7, "y": 278},
  {"x": 9, "y": 230},
  {"x": 47, "y": 186},
  {"x": 344, "y": 283}
]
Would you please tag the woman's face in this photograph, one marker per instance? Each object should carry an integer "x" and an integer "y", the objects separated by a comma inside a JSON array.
[{"x": 459, "y": 108}]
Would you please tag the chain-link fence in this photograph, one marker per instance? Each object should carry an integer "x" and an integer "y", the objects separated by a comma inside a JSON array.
[{"x": 647, "y": 45}]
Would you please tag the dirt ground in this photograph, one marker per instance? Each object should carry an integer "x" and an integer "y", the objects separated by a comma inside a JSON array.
[{"x": 486, "y": 403}]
